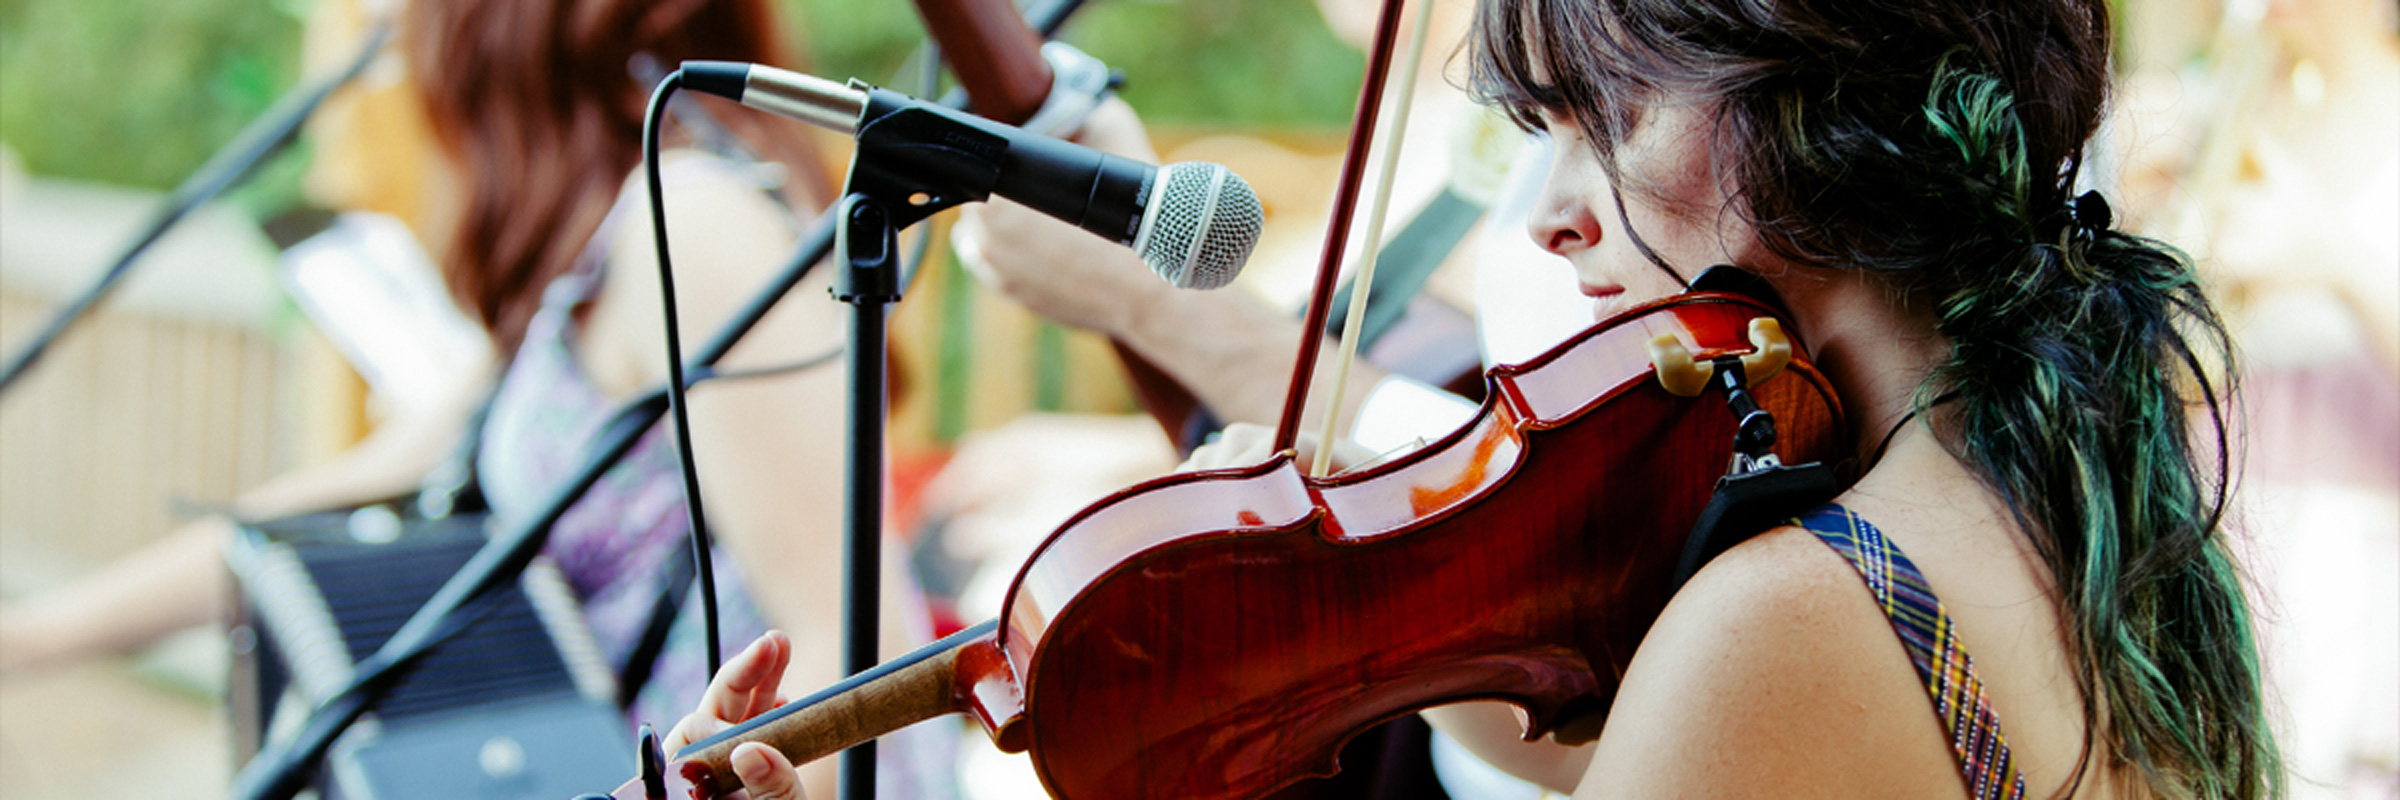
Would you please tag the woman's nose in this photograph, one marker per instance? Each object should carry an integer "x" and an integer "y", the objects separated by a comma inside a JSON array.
[{"x": 1561, "y": 220}]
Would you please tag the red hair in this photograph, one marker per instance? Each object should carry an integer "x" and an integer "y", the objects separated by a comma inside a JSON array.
[{"x": 536, "y": 102}]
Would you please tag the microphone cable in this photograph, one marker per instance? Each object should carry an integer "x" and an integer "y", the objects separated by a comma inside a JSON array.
[
  {"x": 702, "y": 543},
  {"x": 676, "y": 406}
]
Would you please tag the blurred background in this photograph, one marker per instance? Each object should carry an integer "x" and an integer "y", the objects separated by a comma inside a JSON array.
[{"x": 2263, "y": 136}]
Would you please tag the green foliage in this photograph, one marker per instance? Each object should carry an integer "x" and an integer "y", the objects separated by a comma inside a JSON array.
[
  {"x": 844, "y": 39},
  {"x": 1205, "y": 63},
  {"x": 1234, "y": 63},
  {"x": 140, "y": 92}
]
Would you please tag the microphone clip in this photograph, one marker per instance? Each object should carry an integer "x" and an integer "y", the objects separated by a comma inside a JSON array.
[
  {"x": 868, "y": 244},
  {"x": 916, "y": 163}
]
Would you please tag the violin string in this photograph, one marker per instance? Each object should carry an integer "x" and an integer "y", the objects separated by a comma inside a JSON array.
[{"x": 1355, "y": 319}]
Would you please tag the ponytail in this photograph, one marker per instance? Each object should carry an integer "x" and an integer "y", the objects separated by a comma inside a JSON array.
[{"x": 2079, "y": 357}]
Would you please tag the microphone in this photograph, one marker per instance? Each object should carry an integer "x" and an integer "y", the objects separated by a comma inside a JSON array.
[{"x": 1193, "y": 223}]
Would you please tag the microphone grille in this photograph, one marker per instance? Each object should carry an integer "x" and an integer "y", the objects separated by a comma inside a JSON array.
[{"x": 1202, "y": 222}]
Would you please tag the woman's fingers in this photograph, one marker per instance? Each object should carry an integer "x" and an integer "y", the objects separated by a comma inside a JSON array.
[
  {"x": 764, "y": 695},
  {"x": 693, "y": 727},
  {"x": 744, "y": 687},
  {"x": 765, "y": 773}
]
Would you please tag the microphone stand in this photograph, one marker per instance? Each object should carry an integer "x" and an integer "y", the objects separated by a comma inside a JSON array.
[
  {"x": 279, "y": 770},
  {"x": 868, "y": 245}
]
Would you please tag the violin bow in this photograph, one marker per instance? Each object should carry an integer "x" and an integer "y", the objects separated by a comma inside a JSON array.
[
  {"x": 1354, "y": 321},
  {"x": 1337, "y": 234}
]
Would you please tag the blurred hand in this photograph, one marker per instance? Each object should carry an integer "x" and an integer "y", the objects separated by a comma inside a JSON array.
[
  {"x": 23, "y": 640},
  {"x": 1240, "y": 444},
  {"x": 1055, "y": 269},
  {"x": 1006, "y": 489},
  {"x": 1243, "y": 444},
  {"x": 745, "y": 688}
]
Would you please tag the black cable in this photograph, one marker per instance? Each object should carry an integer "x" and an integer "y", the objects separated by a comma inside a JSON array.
[
  {"x": 700, "y": 375},
  {"x": 675, "y": 386},
  {"x": 262, "y": 138}
]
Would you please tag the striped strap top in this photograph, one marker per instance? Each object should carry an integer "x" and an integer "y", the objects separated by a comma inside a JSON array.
[{"x": 1931, "y": 638}]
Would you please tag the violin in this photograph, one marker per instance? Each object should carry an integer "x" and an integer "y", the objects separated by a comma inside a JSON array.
[{"x": 1221, "y": 634}]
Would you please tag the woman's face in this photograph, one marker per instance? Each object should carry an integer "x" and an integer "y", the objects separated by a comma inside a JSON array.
[{"x": 1672, "y": 198}]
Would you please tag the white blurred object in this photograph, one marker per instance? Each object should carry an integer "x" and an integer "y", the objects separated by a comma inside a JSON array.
[
  {"x": 58, "y": 236},
  {"x": 1464, "y": 775},
  {"x": 370, "y": 287},
  {"x": 1402, "y": 411},
  {"x": 1007, "y": 489},
  {"x": 985, "y": 773},
  {"x": 1526, "y": 299},
  {"x": 2324, "y": 559}
]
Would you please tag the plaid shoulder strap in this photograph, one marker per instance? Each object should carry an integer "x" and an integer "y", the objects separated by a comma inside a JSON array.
[{"x": 1931, "y": 637}]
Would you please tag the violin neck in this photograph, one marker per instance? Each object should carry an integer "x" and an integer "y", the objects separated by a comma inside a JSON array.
[{"x": 899, "y": 693}]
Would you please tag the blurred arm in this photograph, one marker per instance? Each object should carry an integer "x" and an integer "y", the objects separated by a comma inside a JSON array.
[
  {"x": 180, "y": 581},
  {"x": 1230, "y": 350}
]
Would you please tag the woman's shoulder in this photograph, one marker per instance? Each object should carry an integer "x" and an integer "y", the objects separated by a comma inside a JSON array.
[
  {"x": 1782, "y": 600},
  {"x": 708, "y": 192},
  {"x": 1774, "y": 673},
  {"x": 728, "y": 234}
]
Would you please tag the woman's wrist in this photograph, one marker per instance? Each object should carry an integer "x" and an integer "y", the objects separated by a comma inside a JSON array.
[
  {"x": 1145, "y": 313},
  {"x": 27, "y": 639}
]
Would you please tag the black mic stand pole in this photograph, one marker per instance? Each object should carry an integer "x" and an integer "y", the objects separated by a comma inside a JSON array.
[{"x": 868, "y": 246}]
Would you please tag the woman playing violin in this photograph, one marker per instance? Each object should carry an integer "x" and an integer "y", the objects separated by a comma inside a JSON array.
[{"x": 2025, "y": 593}]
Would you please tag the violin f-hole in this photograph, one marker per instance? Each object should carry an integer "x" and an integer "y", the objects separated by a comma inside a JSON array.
[{"x": 1683, "y": 377}]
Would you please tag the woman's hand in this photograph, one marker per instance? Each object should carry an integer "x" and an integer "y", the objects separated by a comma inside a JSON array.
[
  {"x": 1243, "y": 444},
  {"x": 745, "y": 688},
  {"x": 1055, "y": 269}
]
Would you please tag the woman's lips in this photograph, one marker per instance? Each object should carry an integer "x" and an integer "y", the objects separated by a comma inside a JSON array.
[{"x": 1605, "y": 299}]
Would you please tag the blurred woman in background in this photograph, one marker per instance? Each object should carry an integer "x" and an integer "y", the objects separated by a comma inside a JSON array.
[{"x": 536, "y": 214}]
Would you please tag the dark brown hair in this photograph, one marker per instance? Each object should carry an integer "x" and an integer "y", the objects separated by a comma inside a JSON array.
[
  {"x": 537, "y": 103},
  {"x": 1936, "y": 142}
]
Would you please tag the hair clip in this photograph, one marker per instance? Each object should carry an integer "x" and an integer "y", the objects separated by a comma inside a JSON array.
[{"x": 2088, "y": 214}]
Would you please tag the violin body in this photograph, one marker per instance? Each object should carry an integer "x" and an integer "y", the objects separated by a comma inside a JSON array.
[{"x": 1219, "y": 635}]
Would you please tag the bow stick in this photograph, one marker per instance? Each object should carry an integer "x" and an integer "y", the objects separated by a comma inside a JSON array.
[{"x": 1370, "y": 103}]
